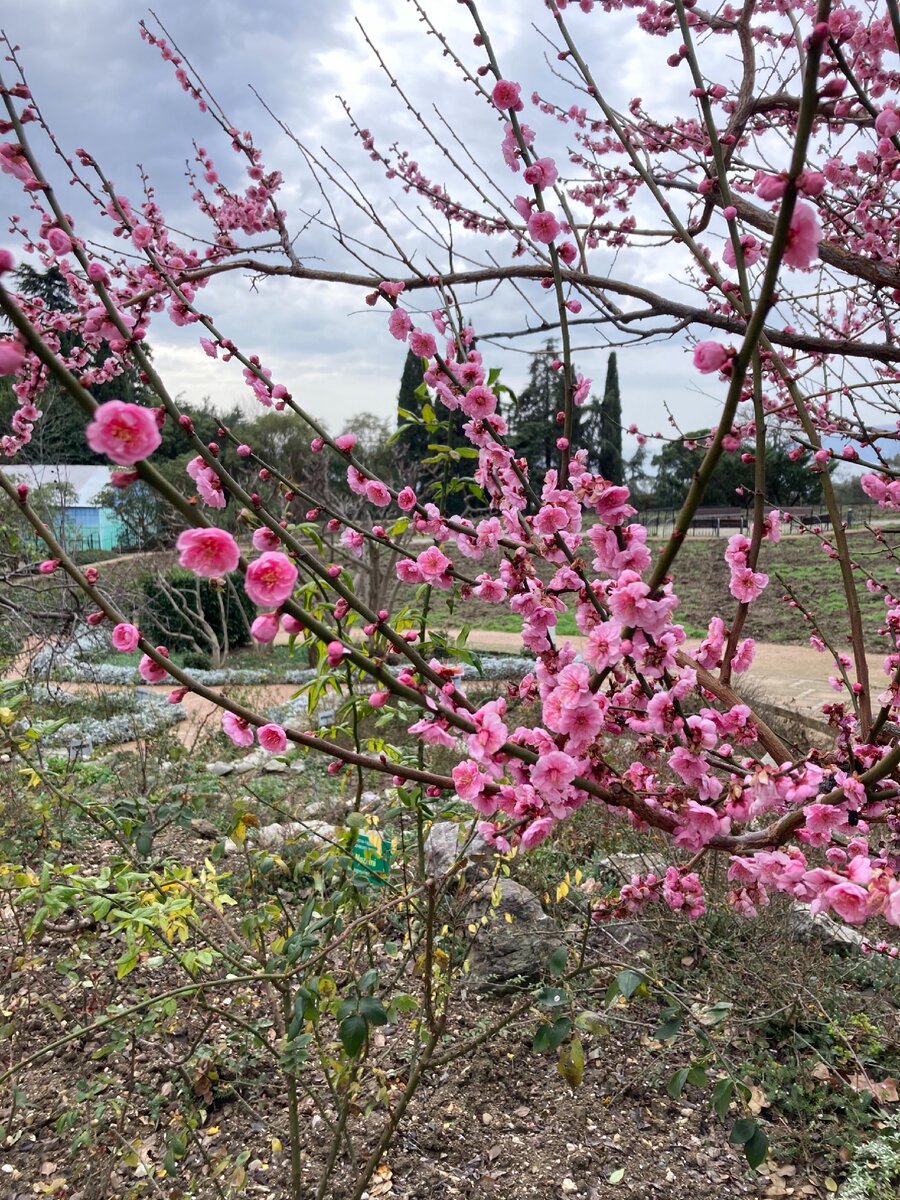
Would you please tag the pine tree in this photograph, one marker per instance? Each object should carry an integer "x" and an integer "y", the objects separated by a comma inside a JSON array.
[{"x": 610, "y": 463}]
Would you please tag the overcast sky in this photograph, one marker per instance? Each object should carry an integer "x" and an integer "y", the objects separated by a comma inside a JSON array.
[{"x": 101, "y": 87}]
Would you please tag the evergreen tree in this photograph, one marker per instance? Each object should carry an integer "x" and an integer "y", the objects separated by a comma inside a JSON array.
[
  {"x": 428, "y": 470},
  {"x": 412, "y": 435},
  {"x": 788, "y": 482},
  {"x": 533, "y": 427},
  {"x": 59, "y": 435},
  {"x": 610, "y": 462}
]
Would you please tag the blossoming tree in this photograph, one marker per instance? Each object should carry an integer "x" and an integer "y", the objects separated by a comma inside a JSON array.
[{"x": 773, "y": 189}]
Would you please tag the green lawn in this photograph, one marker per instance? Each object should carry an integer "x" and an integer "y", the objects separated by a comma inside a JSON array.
[{"x": 701, "y": 578}]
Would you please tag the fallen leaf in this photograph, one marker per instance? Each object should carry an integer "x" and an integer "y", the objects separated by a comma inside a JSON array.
[
  {"x": 758, "y": 1100},
  {"x": 884, "y": 1090}
]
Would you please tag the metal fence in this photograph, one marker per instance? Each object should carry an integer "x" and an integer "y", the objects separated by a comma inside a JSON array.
[{"x": 723, "y": 522}]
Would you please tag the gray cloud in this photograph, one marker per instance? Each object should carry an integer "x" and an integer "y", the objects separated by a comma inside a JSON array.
[{"x": 102, "y": 88}]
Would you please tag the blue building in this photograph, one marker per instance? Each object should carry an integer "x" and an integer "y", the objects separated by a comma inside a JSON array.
[{"x": 70, "y": 494}]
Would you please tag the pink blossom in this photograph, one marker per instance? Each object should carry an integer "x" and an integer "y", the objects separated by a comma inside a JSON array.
[
  {"x": 887, "y": 123},
  {"x": 552, "y": 774},
  {"x": 849, "y": 901},
  {"x": 345, "y": 442},
  {"x": 770, "y": 187},
  {"x": 506, "y": 95},
  {"x": 125, "y": 638},
  {"x": 7, "y": 262},
  {"x": 750, "y": 247},
  {"x": 710, "y": 357},
  {"x": 408, "y": 571},
  {"x": 48, "y": 566},
  {"x": 479, "y": 402},
  {"x": 422, "y": 344},
  {"x": 12, "y": 355},
  {"x": 208, "y": 552},
  {"x": 354, "y": 541},
  {"x": 543, "y": 227},
  {"x": 265, "y": 627},
  {"x": 743, "y": 656},
  {"x": 238, "y": 729},
  {"x": 406, "y": 499},
  {"x": 542, "y": 173},
  {"x": 536, "y": 832},
  {"x": 399, "y": 324},
  {"x": 804, "y": 234},
  {"x": 150, "y": 671},
  {"x": 468, "y": 779},
  {"x": 377, "y": 493},
  {"x": 272, "y": 738},
  {"x": 291, "y": 625},
  {"x": 123, "y": 479},
  {"x": 270, "y": 579},
  {"x": 335, "y": 653},
  {"x": 60, "y": 242},
  {"x": 432, "y": 564},
  {"x": 265, "y": 538},
  {"x": 126, "y": 433},
  {"x": 747, "y": 585},
  {"x": 697, "y": 825}
]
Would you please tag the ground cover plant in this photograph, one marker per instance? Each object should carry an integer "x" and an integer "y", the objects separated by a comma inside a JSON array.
[{"x": 333, "y": 969}]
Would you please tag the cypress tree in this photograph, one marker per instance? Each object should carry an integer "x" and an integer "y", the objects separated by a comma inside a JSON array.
[{"x": 611, "y": 464}]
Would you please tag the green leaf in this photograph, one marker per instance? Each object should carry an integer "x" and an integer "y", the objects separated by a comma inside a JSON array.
[
  {"x": 550, "y": 1037},
  {"x": 143, "y": 843},
  {"x": 721, "y": 1097},
  {"x": 675, "y": 1086},
  {"x": 628, "y": 982},
  {"x": 756, "y": 1149},
  {"x": 372, "y": 1010},
  {"x": 551, "y": 997},
  {"x": 618, "y": 1175},
  {"x": 697, "y": 1077},
  {"x": 352, "y": 1032},
  {"x": 368, "y": 980},
  {"x": 668, "y": 1030},
  {"x": 742, "y": 1131},
  {"x": 556, "y": 963}
]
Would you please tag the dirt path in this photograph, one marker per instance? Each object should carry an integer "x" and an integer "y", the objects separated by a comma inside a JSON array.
[{"x": 793, "y": 676}]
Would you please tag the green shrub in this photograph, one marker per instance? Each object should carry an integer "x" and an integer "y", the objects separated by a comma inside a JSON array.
[
  {"x": 196, "y": 660},
  {"x": 84, "y": 557},
  {"x": 166, "y": 622}
]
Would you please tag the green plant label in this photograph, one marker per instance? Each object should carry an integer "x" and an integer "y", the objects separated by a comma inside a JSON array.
[{"x": 372, "y": 856}]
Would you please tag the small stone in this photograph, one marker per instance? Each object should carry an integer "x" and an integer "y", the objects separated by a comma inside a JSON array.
[
  {"x": 219, "y": 768},
  {"x": 204, "y": 829},
  {"x": 569, "y": 1186},
  {"x": 512, "y": 936},
  {"x": 275, "y": 766}
]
